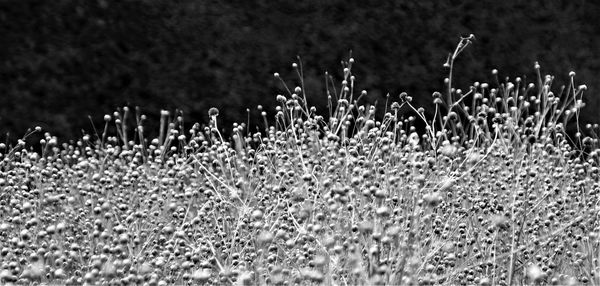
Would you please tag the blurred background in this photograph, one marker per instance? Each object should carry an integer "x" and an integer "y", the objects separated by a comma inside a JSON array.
[{"x": 63, "y": 60}]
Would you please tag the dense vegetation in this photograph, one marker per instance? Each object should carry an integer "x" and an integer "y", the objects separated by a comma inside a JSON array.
[
  {"x": 63, "y": 60},
  {"x": 492, "y": 193}
]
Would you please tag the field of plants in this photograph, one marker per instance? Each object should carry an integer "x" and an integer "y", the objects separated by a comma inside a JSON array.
[{"x": 487, "y": 189}]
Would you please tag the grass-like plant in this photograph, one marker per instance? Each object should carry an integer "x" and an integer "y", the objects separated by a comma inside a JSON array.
[{"x": 492, "y": 192}]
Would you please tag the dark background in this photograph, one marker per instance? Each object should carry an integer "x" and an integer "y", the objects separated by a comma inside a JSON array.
[{"x": 61, "y": 61}]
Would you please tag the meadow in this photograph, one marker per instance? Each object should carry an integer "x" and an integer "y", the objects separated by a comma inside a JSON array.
[{"x": 491, "y": 191}]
